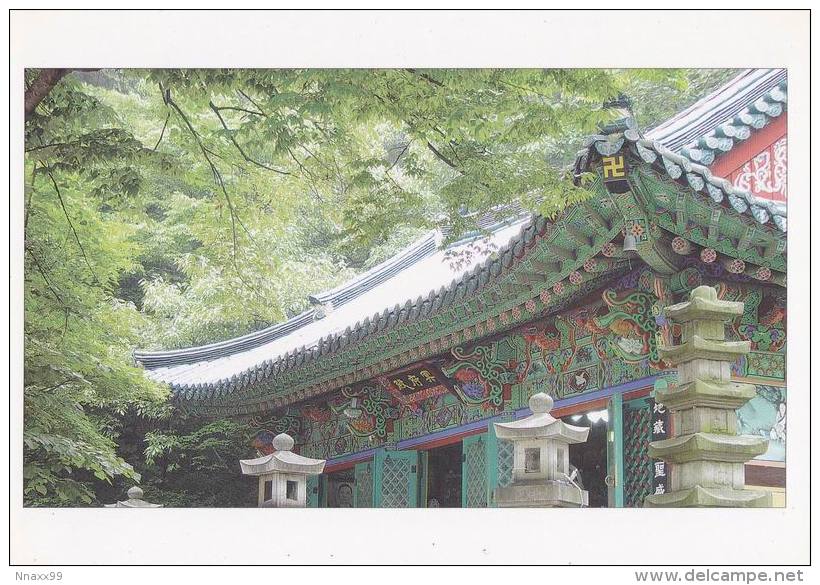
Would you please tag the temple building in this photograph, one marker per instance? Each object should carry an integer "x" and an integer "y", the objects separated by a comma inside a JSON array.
[{"x": 396, "y": 377}]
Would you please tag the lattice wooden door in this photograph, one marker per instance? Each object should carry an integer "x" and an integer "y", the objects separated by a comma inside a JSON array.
[
  {"x": 363, "y": 496},
  {"x": 474, "y": 477},
  {"x": 500, "y": 463},
  {"x": 637, "y": 464},
  {"x": 396, "y": 480}
]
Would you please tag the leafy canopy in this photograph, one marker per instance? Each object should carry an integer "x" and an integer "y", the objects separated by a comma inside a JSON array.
[{"x": 167, "y": 208}]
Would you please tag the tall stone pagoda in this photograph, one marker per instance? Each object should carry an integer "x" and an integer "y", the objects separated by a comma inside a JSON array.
[{"x": 705, "y": 455}]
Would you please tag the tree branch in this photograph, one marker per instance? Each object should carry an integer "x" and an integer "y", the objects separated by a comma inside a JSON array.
[
  {"x": 441, "y": 157},
  {"x": 166, "y": 97},
  {"x": 250, "y": 99},
  {"x": 425, "y": 77},
  {"x": 161, "y": 134},
  {"x": 71, "y": 225},
  {"x": 43, "y": 274},
  {"x": 216, "y": 111}
]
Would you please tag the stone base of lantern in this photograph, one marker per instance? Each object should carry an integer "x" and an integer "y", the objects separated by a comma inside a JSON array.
[
  {"x": 706, "y": 497},
  {"x": 550, "y": 494}
]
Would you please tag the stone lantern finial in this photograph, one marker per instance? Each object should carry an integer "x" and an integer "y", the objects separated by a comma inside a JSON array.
[
  {"x": 705, "y": 455},
  {"x": 134, "y": 500},
  {"x": 283, "y": 442},
  {"x": 541, "y": 459}
]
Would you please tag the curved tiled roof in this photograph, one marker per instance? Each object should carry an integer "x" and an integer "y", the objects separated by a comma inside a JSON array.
[
  {"x": 423, "y": 285},
  {"x": 679, "y": 168},
  {"x": 715, "y": 124}
]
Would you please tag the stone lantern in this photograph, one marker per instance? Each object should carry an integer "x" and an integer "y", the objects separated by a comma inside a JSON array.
[
  {"x": 134, "y": 500},
  {"x": 705, "y": 455},
  {"x": 540, "y": 477},
  {"x": 282, "y": 474}
]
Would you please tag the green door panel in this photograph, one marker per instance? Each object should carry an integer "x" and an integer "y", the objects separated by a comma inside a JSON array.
[
  {"x": 396, "y": 480},
  {"x": 474, "y": 472},
  {"x": 500, "y": 458},
  {"x": 615, "y": 452},
  {"x": 363, "y": 494},
  {"x": 638, "y": 467}
]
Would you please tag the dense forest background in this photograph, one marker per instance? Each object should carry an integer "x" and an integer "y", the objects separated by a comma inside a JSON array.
[{"x": 169, "y": 208}]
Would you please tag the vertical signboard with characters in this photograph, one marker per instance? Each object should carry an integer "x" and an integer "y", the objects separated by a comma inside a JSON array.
[{"x": 659, "y": 430}]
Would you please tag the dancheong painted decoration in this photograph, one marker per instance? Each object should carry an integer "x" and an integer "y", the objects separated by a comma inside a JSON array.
[{"x": 396, "y": 378}]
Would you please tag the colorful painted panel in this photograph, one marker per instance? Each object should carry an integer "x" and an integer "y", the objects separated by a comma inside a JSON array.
[
  {"x": 608, "y": 339},
  {"x": 765, "y": 415},
  {"x": 765, "y": 174}
]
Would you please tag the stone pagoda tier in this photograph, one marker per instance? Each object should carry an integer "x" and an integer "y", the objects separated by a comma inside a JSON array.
[
  {"x": 540, "y": 476},
  {"x": 705, "y": 455}
]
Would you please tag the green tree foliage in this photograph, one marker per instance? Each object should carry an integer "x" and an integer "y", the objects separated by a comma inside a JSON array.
[
  {"x": 168, "y": 208},
  {"x": 185, "y": 461}
]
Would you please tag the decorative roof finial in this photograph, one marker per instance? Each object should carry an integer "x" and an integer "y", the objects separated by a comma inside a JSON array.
[{"x": 625, "y": 120}]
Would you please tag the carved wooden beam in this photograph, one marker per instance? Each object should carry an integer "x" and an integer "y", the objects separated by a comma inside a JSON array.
[
  {"x": 714, "y": 226},
  {"x": 562, "y": 252},
  {"x": 545, "y": 267},
  {"x": 532, "y": 277},
  {"x": 579, "y": 236},
  {"x": 680, "y": 213},
  {"x": 601, "y": 223}
]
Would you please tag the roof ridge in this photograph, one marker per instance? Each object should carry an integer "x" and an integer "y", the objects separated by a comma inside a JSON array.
[{"x": 422, "y": 248}]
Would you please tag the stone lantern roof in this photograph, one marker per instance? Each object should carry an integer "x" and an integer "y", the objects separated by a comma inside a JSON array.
[
  {"x": 282, "y": 460},
  {"x": 541, "y": 425}
]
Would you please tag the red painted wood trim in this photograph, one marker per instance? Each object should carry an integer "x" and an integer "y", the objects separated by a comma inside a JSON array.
[
  {"x": 345, "y": 465},
  {"x": 637, "y": 393},
  {"x": 450, "y": 440},
  {"x": 766, "y": 474},
  {"x": 745, "y": 151},
  {"x": 580, "y": 407}
]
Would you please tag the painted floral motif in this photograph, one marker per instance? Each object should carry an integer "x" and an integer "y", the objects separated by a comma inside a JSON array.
[
  {"x": 680, "y": 245},
  {"x": 736, "y": 266},
  {"x": 763, "y": 273},
  {"x": 766, "y": 174},
  {"x": 708, "y": 255}
]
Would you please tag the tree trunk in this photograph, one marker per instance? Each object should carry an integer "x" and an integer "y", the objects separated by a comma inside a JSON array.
[{"x": 41, "y": 87}]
